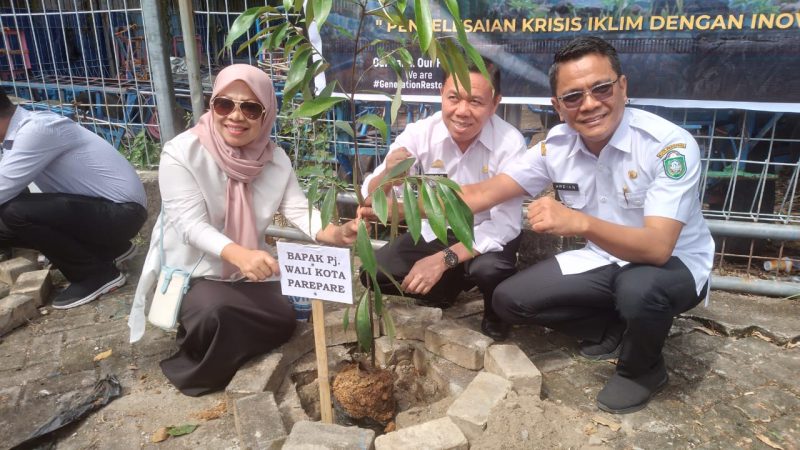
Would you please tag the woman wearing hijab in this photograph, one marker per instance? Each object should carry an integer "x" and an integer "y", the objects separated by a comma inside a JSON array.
[{"x": 221, "y": 183}]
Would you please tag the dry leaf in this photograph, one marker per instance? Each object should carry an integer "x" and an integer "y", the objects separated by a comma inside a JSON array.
[
  {"x": 707, "y": 331},
  {"x": 102, "y": 356},
  {"x": 212, "y": 413},
  {"x": 767, "y": 441},
  {"x": 762, "y": 337},
  {"x": 589, "y": 429},
  {"x": 160, "y": 435},
  {"x": 615, "y": 426}
]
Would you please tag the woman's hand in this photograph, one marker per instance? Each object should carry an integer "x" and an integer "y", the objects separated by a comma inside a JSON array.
[
  {"x": 341, "y": 235},
  {"x": 256, "y": 265}
]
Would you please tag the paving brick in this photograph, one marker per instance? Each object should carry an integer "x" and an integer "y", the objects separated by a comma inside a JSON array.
[
  {"x": 390, "y": 351},
  {"x": 410, "y": 322},
  {"x": 255, "y": 377},
  {"x": 471, "y": 409},
  {"x": 318, "y": 435},
  {"x": 16, "y": 310},
  {"x": 4, "y": 289},
  {"x": 451, "y": 377},
  {"x": 35, "y": 284},
  {"x": 552, "y": 361},
  {"x": 510, "y": 362},
  {"x": 27, "y": 253},
  {"x": 10, "y": 270},
  {"x": 290, "y": 406},
  {"x": 439, "y": 434},
  {"x": 258, "y": 422},
  {"x": 460, "y": 345}
]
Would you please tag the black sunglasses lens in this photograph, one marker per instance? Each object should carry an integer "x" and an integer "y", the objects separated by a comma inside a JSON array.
[
  {"x": 223, "y": 106},
  {"x": 251, "y": 110},
  {"x": 602, "y": 91},
  {"x": 573, "y": 99}
]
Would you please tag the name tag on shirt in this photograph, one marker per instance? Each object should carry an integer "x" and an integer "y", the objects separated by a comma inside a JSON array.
[{"x": 569, "y": 187}]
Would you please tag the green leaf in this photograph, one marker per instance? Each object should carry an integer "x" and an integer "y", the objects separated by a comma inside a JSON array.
[
  {"x": 291, "y": 42},
  {"x": 401, "y": 168},
  {"x": 405, "y": 58},
  {"x": 397, "y": 100},
  {"x": 379, "y": 204},
  {"x": 390, "y": 277},
  {"x": 388, "y": 324},
  {"x": 297, "y": 71},
  {"x": 395, "y": 221},
  {"x": 434, "y": 212},
  {"x": 343, "y": 31},
  {"x": 376, "y": 122},
  {"x": 287, "y": 5},
  {"x": 321, "y": 10},
  {"x": 422, "y": 17},
  {"x": 411, "y": 210},
  {"x": 279, "y": 35},
  {"x": 346, "y": 318},
  {"x": 327, "y": 90},
  {"x": 449, "y": 183},
  {"x": 364, "y": 325},
  {"x": 459, "y": 65},
  {"x": 346, "y": 127},
  {"x": 401, "y": 5},
  {"x": 180, "y": 430},
  {"x": 365, "y": 251},
  {"x": 250, "y": 41},
  {"x": 328, "y": 207},
  {"x": 313, "y": 107},
  {"x": 243, "y": 23},
  {"x": 459, "y": 216}
]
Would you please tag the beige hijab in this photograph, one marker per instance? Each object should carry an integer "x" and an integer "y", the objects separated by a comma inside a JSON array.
[{"x": 241, "y": 164}]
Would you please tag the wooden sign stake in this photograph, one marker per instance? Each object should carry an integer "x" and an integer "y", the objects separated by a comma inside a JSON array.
[{"x": 321, "y": 349}]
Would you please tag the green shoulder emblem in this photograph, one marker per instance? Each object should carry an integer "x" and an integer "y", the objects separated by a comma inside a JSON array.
[{"x": 675, "y": 165}]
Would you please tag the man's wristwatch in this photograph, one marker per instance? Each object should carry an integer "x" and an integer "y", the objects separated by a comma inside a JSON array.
[{"x": 450, "y": 258}]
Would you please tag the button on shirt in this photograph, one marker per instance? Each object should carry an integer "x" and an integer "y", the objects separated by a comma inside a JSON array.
[
  {"x": 61, "y": 156},
  {"x": 650, "y": 167},
  {"x": 497, "y": 145}
]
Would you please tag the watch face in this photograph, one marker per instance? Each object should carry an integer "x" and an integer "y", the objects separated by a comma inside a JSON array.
[{"x": 450, "y": 258}]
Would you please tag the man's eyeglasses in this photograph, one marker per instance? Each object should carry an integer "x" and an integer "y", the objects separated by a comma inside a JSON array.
[
  {"x": 600, "y": 92},
  {"x": 224, "y": 106}
]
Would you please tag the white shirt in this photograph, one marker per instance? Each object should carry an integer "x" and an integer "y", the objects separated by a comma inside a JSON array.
[
  {"x": 193, "y": 192},
  {"x": 650, "y": 167},
  {"x": 61, "y": 156},
  {"x": 497, "y": 145}
]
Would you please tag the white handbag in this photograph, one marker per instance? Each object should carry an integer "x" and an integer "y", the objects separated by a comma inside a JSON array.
[{"x": 173, "y": 284}]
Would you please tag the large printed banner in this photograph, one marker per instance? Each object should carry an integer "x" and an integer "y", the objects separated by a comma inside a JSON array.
[{"x": 706, "y": 53}]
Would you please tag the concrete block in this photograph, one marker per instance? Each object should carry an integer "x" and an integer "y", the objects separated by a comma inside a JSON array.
[
  {"x": 255, "y": 377},
  {"x": 34, "y": 284},
  {"x": 390, "y": 351},
  {"x": 27, "y": 253},
  {"x": 410, "y": 322},
  {"x": 471, "y": 409},
  {"x": 439, "y": 434},
  {"x": 13, "y": 268},
  {"x": 460, "y": 345},
  {"x": 290, "y": 406},
  {"x": 16, "y": 310},
  {"x": 258, "y": 422},
  {"x": 451, "y": 377},
  {"x": 511, "y": 363},
  {"x": 4, "y": 289},
  {"x": 318, "y": 435}
]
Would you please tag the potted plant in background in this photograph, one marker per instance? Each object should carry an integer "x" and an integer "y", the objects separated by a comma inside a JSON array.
[{"x": 285, "y": 29}]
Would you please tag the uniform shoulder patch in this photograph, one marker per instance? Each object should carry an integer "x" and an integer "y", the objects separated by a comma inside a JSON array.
[
  {"x": 544, "y": 149},
  {"x": 666, "y": 149},
  {"x": 675, "y": 165}
]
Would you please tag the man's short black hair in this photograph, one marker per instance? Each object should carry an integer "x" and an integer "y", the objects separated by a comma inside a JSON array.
[
  {"x": 491, "y": 67},
  {"x": 580, "y": 47},
  {"x": 6, "y": 107}
]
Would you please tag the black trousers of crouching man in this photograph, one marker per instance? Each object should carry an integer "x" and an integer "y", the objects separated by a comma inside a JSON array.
[
  {"x": 80, "y": 235},
  {"x": 486, "y": 270},
  {"x": 645, "y": 298}
]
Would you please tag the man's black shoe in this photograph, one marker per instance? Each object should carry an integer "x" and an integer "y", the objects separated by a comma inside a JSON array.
[
  {"x": 495, "y": 328},
  {"x": 607, "y": 348},
  {"x": 80, "y": 293},
  {"x": 623, "y": 395}
]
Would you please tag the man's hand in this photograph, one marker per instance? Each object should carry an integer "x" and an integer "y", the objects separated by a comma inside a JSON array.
[
  {"x": 341, "y": 235},
  {"x": 424, "y": 275},
  {"x": 546, "y": 215},
  {"x": 396, "y": 156}
]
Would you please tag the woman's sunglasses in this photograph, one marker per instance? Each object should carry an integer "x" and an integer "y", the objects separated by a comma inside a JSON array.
[
  {"x": 600, "y": 92},
  {"x": 225, "y": 106}
]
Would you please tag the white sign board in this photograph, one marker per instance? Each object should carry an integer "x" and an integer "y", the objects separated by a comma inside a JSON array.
[{"x": 316, "y": 272}]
